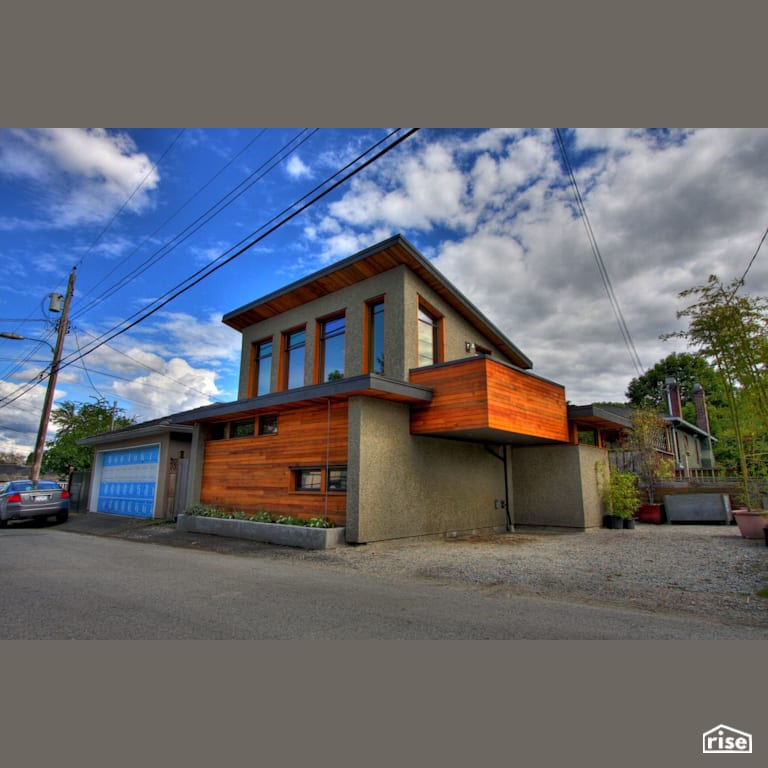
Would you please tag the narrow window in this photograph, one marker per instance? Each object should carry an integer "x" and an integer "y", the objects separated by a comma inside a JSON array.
[
  {"x": 268, "y": 424},
  {"x": 376, "y": 337},
  {"x": 262, "y": 373},
  {"x": 307, "y": 479},
  {"x": 429, "y": 338},
  {"x": 332, "y": 348},
  {"x": 218, "y": 431},
  {"x": 293, "y": 360},
  {"x": 244, "y": 428}
]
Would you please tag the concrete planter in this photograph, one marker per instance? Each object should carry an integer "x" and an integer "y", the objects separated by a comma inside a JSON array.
[
  {"x": 269, "y": 533},
  {"x": 751, "y": 522}
]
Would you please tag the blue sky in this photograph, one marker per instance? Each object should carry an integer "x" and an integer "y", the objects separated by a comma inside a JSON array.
[{"x": 140, "y": 211}]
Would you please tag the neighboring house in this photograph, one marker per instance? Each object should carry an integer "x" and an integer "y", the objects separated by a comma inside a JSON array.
[
  {"x": 688, "y": 446},
  {"x": 137, "y": 470},
  {"x": 375, "y": 394}
]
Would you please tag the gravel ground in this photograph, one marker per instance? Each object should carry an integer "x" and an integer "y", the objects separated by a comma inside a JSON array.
[{"x": 702, "y": 570}]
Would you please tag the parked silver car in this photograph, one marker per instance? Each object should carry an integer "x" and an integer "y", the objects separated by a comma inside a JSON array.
[{"x": 24, "y": 500}]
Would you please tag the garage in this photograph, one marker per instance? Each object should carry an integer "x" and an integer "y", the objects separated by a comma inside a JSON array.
[{"x": 126, "y": 480}]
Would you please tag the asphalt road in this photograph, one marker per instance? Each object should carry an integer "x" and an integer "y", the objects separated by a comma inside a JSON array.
[{"x": 61, "y": 586}]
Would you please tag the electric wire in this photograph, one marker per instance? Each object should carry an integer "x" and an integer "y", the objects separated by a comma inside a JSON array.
[
  {"x": 222, "y": 204},
  {"x": 624, "y": 329},
  {"x": 130, "y": 197},
  {"x": 277, "y": 221}
]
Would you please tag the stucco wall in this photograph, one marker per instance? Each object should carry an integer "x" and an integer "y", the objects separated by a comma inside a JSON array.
[
  {"x": 401, "y": 289},
  {"x": 556, "y": 485},
  {"x": 352, "y": 301},
  {"x": 402, "y": 485}
]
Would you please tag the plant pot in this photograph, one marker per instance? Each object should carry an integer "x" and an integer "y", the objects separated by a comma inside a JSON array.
[
  {"x": 629, "y": 522},
  {"x": 751, "y": 522},
  {"x": 650, "y": 513},
  {"x": 765, "y": 531},
  {"x": 613, "y": 521}
]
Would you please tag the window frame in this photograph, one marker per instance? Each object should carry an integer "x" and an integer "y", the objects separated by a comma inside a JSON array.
[
  {"x": 262, "y": 420},
  {"x": 297, "y": 472},
  {"x": 233, "y": 426},
  {"x": 437, "y": 325},
  {"x": 256, "y": 366},
  {"x": 369, "y": 335},
  {"x": 321, "y": 345},
  {"x": 286, "y": 353}
]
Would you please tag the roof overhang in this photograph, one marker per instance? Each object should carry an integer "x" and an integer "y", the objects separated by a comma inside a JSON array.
[
  {"x": 379, "y": 258},
  {"x": 370, "y": 385},
  {"x": 599, "y": 417},
  {"x": 149, "y": 430},
  {"x": 686, "y": 426}
]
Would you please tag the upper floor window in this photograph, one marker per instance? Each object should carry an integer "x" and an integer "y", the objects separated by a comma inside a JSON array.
[
  {"x": 262, "y": 363},
  {"x": 331, "y": 362},
  {"x": 294, "y": 343},
  {"x": 429, "y": 337},
  {"x": 375, "y": 338}
]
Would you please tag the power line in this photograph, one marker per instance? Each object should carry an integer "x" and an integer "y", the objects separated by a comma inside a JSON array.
[
  {"x": 130, "y": 197},
  {"x": 287, "y": 214},
  {"x": 634, "y": 357},
  {"x": 160, "y": 253},
  {"x": 751, "y": 261}
]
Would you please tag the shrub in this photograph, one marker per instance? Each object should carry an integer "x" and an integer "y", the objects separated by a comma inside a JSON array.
[{"x": 211, "y": 510}]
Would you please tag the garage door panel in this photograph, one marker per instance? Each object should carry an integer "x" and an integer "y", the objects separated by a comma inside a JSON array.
[{"x": 128, "y": 482}]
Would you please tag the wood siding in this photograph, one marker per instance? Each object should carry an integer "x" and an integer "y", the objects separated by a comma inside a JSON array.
[
  {"x": 480, "y": 393},
  {"x": 250, "y": 474}
]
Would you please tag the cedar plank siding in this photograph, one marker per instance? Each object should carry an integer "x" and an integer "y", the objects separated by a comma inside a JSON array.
[
  {"x": 481, "y": 393},
  {"x": 249, "y": 474}
]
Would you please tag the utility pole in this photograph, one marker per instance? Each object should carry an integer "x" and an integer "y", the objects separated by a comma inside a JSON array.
[{"x": 37, "y": 459}]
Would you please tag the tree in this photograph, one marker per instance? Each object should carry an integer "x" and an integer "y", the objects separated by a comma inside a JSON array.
[
  {"x": 647, "y": 391},
  {"x": 75, "y": 421},
  {"x": 732, "y": 332},
  {"x": 644, "y": 440}
]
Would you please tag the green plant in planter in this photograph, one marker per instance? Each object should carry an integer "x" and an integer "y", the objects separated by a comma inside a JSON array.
[
  {"x": 645, "y": 439},
  {"x": 619, "y": 493}
]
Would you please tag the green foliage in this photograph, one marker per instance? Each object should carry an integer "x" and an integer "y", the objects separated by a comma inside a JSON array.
[
  {"x": 75, "y": 421},
  {"x": 731, "y": 330},
  {"x": 619, "y": 492},
  {"x": 647, "y": 391},
  {"x": 212, "y": 510},
  {"x": 646, "y": 436}
]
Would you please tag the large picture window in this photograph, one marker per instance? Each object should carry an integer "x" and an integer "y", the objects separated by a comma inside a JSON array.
[
  {"x": 331, "y": 363},
  {"x": 293, "y": 358}
]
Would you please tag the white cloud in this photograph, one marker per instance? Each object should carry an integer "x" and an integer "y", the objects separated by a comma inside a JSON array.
[
  {"x": 296, "y": 168},
  {"x": 84, "y": 175},
  {"x": 666, "y": 210}
]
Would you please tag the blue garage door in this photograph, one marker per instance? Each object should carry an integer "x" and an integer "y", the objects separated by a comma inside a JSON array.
[{"x": 128, "y": 481}]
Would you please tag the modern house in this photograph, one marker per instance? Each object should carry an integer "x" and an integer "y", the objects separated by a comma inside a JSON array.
[{"x": 373, "y": 393}]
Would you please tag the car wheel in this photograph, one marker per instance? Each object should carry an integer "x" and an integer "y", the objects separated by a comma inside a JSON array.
[
  {"x": 3, "y": 523},
  {"x": 62, "y": 517}
]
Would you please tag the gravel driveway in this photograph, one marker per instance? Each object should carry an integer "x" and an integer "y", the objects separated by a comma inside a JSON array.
[{"x": 702, "y": 570}]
